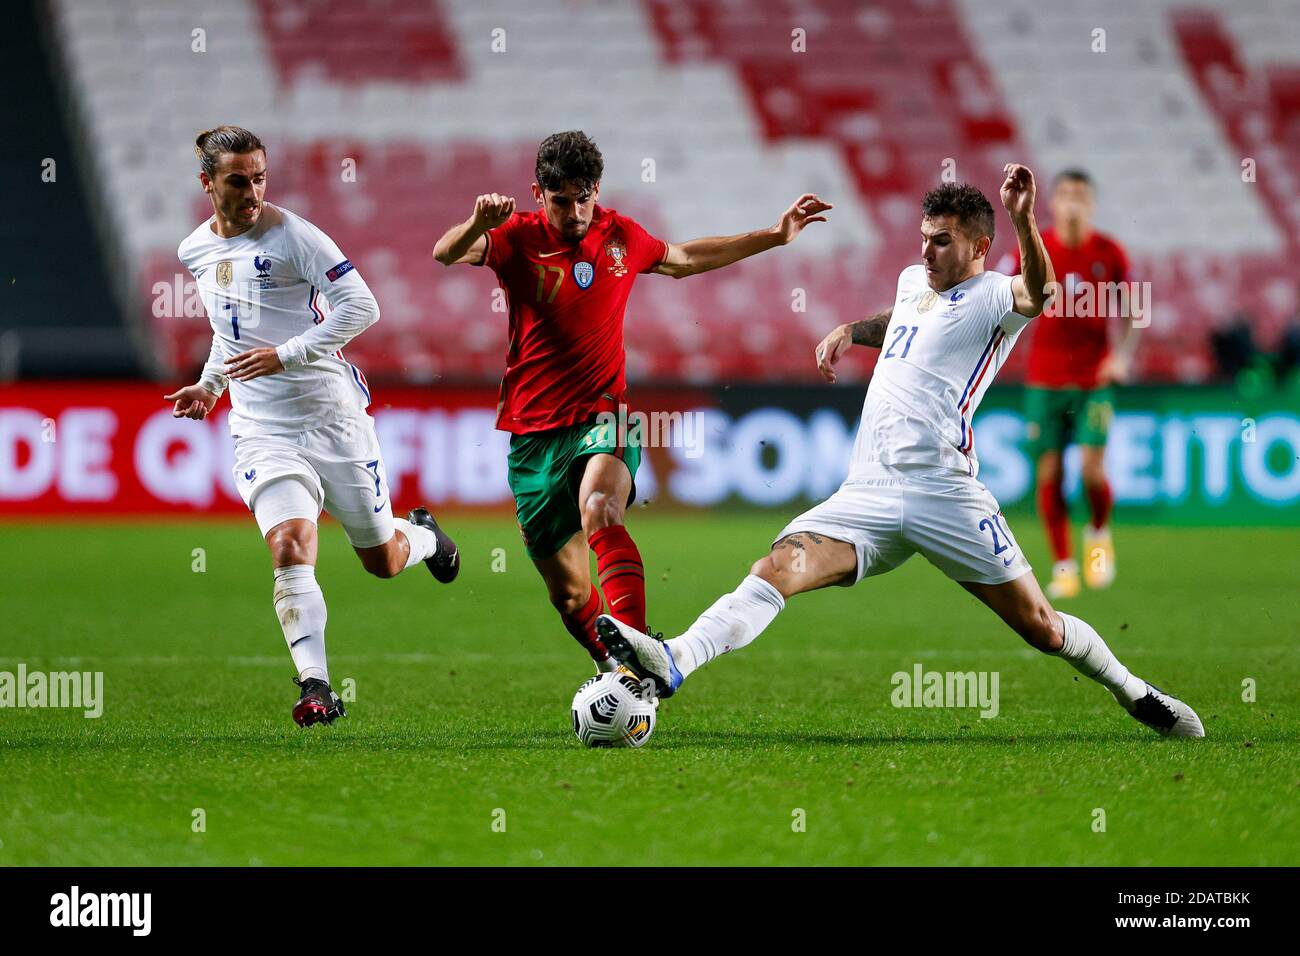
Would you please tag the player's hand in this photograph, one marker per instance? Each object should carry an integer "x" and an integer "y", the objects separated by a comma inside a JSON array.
[
  {"x": 1018, "y": 190},
  {"x": 830, "y": 350},
  {"x": 806, "y": 209},
  {"x": 492, "y": 209},
  {"x": 192, "y": 401},
  {"x": 254, "y": 364},
  {"x": 1113, "y": 370}
]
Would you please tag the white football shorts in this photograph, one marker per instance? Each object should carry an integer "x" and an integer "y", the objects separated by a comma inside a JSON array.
[
  {"x": 950, "y": 518},
  {"x": 339, "y": 465}
]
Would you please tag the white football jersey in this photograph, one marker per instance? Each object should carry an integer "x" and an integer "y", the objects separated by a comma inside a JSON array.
[
  {"x": 940, "y": 354},
  {"x": 282, "y": 284}
]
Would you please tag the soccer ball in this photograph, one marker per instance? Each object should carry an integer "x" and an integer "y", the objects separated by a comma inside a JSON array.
[{"x": 613, "y": 710}]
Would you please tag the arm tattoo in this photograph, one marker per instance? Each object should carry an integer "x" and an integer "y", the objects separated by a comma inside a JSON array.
[{"x": 871, "y": 331}]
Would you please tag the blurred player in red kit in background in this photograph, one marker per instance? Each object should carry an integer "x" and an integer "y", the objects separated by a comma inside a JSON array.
[{"x": 1072, "y": 370}]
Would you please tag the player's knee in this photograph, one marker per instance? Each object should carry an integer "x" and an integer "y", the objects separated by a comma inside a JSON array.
[
  {"x": 771, "y": 568},
  {"x": 1049, "y": 470},
  {"x": 288, "y": 548},
  {"x": 1093, "y": 474},
  {"x": 600, "y": 511}
]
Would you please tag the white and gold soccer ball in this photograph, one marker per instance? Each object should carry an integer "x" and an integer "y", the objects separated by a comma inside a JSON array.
[{"x": 614, "y": 710}]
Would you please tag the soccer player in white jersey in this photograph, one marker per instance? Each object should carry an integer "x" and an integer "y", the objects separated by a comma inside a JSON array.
[
  {"x": 283, "y": 302},
  {"x": 912, "y": 485}
]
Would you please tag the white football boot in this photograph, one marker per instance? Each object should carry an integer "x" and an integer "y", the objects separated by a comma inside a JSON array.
[
  {"x": 1166, "y": 715},
  {"x": 643, "y": 655}
]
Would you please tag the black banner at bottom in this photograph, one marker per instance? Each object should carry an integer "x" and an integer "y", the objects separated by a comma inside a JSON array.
[{"x": 209, "y": 906}]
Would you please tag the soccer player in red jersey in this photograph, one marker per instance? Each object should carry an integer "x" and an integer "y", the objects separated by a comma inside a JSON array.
[
  {"x": 1072, "y": 371},
  {"x": 568, "y": 269}
]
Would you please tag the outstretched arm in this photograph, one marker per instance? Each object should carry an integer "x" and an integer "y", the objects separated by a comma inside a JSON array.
[
  {"x": 703, "y": 255},
  {"x": 1030, "y": 288},
  {"x": 869, "y": 332},
  {"x": 466, "y": 241}
]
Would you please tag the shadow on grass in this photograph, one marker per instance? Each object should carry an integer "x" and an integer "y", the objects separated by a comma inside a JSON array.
[
  {"x": 742, "y": 738},
  {"x": 534, "y": 741}
]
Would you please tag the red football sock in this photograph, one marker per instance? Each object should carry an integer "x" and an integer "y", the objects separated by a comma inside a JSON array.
[
  {"x": 622, "y": 576},
  {"x": 1051, "y": 505},
  {"x": 1100, "y": 500},
  {"x": 582, "y": 625}
]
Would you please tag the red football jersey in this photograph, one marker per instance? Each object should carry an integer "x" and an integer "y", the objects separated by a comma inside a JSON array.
[
  {"x": 565, "y": 361},
  {"x": 1067, "y": 348}
]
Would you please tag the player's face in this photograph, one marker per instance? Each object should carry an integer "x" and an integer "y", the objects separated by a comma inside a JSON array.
[
  {"x": 569, "y": 209},
  {"x": 237, "y": 187},
  {"x": 1072, "y": 204},
  {"x": 949, "y": 254}
]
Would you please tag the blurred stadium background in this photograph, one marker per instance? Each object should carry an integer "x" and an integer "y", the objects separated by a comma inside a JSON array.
[{"x": 384, "y": 118}]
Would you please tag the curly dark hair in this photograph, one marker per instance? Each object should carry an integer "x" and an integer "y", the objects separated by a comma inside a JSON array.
[
  {"x": 569, "y": 157},
  {"x": 973, "y": 211}
]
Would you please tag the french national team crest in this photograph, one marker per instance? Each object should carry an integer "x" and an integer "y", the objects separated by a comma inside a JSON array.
[
  {"x": 616, "y": 249},
  {"x": 927, "y": 302},
  {"x": 262, "y": 264},
  {"x": 225, "y": 272},
  {"x": 583, "y": 273}
]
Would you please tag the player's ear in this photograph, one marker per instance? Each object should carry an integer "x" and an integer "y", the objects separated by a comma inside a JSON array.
[{"x": 537, "y": 193}]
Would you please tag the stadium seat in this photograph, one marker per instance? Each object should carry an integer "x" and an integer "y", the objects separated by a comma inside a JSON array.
[{"x": 885, "y": 100}]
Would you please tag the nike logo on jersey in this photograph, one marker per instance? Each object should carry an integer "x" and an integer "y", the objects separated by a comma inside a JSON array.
[
  {"x": 547, "y": 255},
  {"x": 250, "y": 475},
  {"x": 1006, "y": 562},
  {"x": 379, "y": 507}
]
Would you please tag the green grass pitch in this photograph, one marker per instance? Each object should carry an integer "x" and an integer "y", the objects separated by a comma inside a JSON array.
[{"x": 458, "y": 747}]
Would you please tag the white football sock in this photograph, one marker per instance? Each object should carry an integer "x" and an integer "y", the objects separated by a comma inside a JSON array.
[
  {"x": 300, "y": 606},
  {"x": 1089, "y": 655},
  {"x": 733, "y": 621},
  {"x": 607, "y": 666},
  {"x": 424, "y": 543}
]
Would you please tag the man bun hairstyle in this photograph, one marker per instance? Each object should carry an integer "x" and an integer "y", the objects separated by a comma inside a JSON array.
[
  {"x": 569, "y": 157},
  {"x": 211, "y": 144},
  {"x": 973, "y": 211}
]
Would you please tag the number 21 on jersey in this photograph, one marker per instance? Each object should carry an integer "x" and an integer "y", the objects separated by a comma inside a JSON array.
[{"x": 994, "y": 525}]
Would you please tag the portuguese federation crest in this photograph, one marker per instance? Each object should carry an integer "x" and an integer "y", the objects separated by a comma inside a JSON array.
[
  {"x": 583, "y": 273},
  {"x": 616, "y": 249}
]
